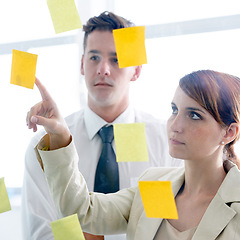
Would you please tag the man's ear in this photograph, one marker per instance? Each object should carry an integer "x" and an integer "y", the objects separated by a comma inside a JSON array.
[
  {"x": 136, "y": 74},
  {"x": 231, "y": 133},
  {"x": 82, "y": 67}
]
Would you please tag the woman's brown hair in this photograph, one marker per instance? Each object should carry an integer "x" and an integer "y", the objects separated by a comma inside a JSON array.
[{"x": 219, "y": 94}]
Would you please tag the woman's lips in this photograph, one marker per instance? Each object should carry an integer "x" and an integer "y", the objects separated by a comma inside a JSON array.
[{"x": 175, "y": 141}]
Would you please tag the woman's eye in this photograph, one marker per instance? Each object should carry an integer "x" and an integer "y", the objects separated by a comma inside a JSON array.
[
  {"x": 174, "y": 110},
  {"x": 195, "y": 116}
]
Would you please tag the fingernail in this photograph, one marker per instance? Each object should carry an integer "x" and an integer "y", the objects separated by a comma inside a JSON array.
[{"x": 34, "y": 119}]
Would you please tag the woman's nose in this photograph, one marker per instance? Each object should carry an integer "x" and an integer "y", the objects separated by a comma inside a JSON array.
[{"x": 176, "y": 124}]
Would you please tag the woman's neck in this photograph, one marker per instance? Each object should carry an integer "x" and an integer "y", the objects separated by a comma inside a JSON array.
[{"x": 203, "y": 179}]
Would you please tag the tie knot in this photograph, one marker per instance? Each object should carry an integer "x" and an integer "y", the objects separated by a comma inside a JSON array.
[{"x": 106, "y": 134}]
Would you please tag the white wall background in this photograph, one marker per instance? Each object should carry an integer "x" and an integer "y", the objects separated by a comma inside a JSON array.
[{"x": 26, "y": 25}]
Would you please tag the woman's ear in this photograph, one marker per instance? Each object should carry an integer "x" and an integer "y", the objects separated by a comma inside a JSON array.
[
  {"x": 231, "y": 133},
  {"x": 137, "y": 71}
]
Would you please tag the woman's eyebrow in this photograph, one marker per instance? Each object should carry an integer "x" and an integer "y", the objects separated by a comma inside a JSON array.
[
  {"x": 190, "y": 108},
  {"x": 195, "y": 109}
]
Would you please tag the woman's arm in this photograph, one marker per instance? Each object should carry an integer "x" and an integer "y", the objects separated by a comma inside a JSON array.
[{"x": 98, "y": 213}]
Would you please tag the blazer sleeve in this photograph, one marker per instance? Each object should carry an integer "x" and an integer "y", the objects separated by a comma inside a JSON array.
[{"x": 98, "y": 213}]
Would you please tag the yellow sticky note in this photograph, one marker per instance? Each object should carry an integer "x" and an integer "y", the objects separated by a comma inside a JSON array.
[
  {"x": 64, "y": 15},
  {"x": 23, "y": 68},
  {"x": 67, "y": 228},
  {"x": 158, "y": 199},
  {"x": 130, "y": 46},
  {"x": 130, "y": 142},
  {"x": 4, "y": 200}
]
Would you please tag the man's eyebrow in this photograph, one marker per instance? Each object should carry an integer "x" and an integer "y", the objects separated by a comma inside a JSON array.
[
  {"x": 114, "y": 54},
  {"x": 93, "y": 51}
]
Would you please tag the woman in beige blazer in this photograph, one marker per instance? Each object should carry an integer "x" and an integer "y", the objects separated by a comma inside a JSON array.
[{"x": 202, "y": 130}]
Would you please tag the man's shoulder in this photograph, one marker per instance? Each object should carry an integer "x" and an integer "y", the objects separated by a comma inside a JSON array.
[
  {"x": 36, "y": 138},
  {"x": 148, "y": 118},
  {"x": 154, "y": 126},
  {"x": 75, "y": 118}
]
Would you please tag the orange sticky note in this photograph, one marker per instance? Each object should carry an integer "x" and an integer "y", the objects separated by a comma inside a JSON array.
[
  {"x": 23, "y": 68},
  {"x": 158, "y": 199},
  {"x": 130, "y": 142},
  {"x": 130, "y": 46},
  {"x": 4, "y": 200},
  {"x": 67, "y": 228},
  {"x": 64, "y": 15}
]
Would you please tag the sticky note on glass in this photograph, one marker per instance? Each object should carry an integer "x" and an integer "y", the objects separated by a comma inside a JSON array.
[
  {"x": 130, "y": 46},
  {"x": 64, "y": 15},
  {"x": 67, "y": 228},
  {"x": 23, "y": 68},
  {"x": 130, "y": 142},
  {"x": 158, "y": 199},
  {"x": 4, "y": 200}
]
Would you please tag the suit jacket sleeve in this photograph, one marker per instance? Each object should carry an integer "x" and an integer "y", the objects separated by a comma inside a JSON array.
[{"x": 98, "y": 213}]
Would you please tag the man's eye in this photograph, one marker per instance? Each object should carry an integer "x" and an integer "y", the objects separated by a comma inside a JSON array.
[
  {"x": 115, "y": 60},
  {"x": 94, "y": 58}
]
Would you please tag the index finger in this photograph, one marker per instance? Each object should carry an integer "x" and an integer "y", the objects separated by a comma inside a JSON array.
[{"x": 43, "y": 91}]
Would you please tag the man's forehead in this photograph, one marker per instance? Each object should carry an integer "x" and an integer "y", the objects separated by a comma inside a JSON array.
[
  {"x": 100, "y": 34},
  {"x": 101, "y": 42},
  {"x": 96, "y": 36}
]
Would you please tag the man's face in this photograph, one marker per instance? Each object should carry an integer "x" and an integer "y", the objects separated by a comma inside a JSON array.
[{"x": 107, "y": 84}]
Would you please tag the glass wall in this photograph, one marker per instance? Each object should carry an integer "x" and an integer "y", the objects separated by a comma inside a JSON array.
[{"x": 26, "y": 25}]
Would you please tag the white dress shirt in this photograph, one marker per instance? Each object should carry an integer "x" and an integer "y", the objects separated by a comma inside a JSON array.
[{"x": 38, "y": 209}]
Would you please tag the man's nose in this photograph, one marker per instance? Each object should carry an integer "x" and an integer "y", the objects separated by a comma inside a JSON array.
[{"x": 104, "y": 68}]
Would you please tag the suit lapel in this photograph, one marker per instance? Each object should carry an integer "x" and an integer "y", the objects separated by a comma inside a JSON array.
[
  {"x": 215, "y": 219},
  {"x": 218, "y": 213},
  {"x": 147, "y": 227}
]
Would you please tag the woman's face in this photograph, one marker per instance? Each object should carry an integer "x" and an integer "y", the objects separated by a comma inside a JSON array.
[{"x": 192, "y": 131}]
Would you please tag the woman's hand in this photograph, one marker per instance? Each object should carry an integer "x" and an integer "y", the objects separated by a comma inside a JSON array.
[{"x": 46, "y": 114}]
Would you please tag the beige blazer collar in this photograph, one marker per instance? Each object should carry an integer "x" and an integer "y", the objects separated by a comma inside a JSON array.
[
  {"x": 219, "y": 213},
  {"x": 147, "y": 227},
  {"x": 215, "y": 219}
]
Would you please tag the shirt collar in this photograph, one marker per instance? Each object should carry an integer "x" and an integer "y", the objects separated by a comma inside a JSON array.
[{"x": 93, "y": 122}]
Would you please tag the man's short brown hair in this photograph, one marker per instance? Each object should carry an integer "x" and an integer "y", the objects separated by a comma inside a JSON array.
[{"x": 106, "y": 21}]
